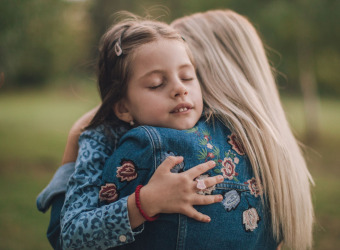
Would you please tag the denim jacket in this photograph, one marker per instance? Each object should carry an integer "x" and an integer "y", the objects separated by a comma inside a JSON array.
[{"x": 238, "y": 222}]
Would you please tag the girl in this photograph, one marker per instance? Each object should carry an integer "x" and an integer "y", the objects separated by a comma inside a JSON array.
[{"x": 146, "y": 76}]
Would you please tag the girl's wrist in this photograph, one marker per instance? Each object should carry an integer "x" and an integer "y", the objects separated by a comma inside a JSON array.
[
  {"x": 139, "y": 205},
  {"x": 148, "y": 204}
]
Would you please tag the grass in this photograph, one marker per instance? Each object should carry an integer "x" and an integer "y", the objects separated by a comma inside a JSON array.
[{"x": 33, "y": 132}]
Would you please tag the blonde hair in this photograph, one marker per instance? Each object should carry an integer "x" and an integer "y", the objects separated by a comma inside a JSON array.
[{"x": 238, "y": 85}]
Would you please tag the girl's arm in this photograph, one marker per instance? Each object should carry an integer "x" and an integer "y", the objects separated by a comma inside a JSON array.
[{"x": 83, "y": 224}]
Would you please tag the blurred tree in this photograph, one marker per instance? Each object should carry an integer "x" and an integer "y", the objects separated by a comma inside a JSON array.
[
  {"x": 35, "y": 36},
  {"x": 40, "y": 39}
]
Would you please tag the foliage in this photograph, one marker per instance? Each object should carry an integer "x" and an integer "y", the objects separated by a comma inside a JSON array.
[
  {"x": 38, "y": 39},
  {"x": 42, "y": 39}
]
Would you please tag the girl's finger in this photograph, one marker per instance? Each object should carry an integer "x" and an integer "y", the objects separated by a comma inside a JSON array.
[
  {"x": 193, "y": 213},
  {"x": 210, "y": 181},
  {"x": 169, "y": 163},
  {"x": 200, "y": 199},
  {"x": 199, "y": 169}
]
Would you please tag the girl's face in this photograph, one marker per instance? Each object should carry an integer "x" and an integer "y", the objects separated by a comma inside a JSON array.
[{"x": 163, "y": 89}]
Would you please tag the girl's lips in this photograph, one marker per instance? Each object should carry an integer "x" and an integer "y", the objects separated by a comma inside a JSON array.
[{"x": 181, "y": 108}]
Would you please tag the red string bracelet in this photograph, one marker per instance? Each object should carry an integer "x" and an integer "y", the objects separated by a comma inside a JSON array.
[{"x": 138, "y": 205}]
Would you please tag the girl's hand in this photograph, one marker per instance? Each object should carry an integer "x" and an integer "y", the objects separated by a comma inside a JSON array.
[{"x": 169, "y": 192}]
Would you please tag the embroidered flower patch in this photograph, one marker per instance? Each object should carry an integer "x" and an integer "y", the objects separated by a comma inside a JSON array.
[
  {"x": 208, "y": 190},
  {"x": 127, "y": 171},
  {"x": 228, "y": 168},
  {"x": 255, "y": 188},
  {"x": 108, "y": 193},
  {"x": 250, "y": 219},
  {"x": 234, "y": 141},
  {"x": 231, "y": 200}
]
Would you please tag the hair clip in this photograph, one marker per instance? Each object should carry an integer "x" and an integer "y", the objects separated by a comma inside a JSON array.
[
  {"x": 183, "y": 38},
  {"x": 117, "y": 47}
]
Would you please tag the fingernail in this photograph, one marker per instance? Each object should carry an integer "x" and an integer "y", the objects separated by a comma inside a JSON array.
[
  {"x": 213, "y": 163},
  {"x": 220, "y": 198},
  {"x": 220, "y": 178},
  {"x": 208, "y": 219}
]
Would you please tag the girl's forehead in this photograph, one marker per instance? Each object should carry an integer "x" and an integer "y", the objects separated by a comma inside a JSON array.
[{"x": 163, "y": 54}]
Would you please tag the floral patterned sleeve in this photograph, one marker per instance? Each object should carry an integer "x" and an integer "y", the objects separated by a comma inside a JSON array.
[{"x": 83, "y": 224}]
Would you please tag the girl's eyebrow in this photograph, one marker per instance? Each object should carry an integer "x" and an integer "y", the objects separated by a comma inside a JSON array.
[
  {"x": 160, "y": 71},
  {"x": 157, "y": 71}
]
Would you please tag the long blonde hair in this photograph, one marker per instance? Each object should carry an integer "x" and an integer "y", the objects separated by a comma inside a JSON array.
[{"x": 238, "y": 85}]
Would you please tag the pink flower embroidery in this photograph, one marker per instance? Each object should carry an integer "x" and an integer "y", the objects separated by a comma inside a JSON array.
[
  {"x": 228, "y": 169},
  {"x": 255, "y": 188},
  {"x": 250, "y": 219},
  {"x": 127, "y": 171},
  {"x": 236, "y": 144},
  {"x": 209, "y": 146},
  {"x": 108, "y": 193}
]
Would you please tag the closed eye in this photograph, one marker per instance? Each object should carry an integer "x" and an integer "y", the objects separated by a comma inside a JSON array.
[
  {"x": 188, "y": 79},
  {"x": 156, "y": 86}
]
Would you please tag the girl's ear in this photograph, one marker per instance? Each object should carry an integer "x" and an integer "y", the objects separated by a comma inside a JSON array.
[{"x": 122, "y": 112}]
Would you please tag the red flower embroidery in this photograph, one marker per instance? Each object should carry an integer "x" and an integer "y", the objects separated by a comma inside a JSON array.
[
  {"x": 250, "y": 219},
  {"x": 236, "y": 144},
  {"x": 127, "y": 171},
  {"x": 255, "y": 188},
  {"x": 228, "y": 169},
  {"x": 108, "y": 193}
]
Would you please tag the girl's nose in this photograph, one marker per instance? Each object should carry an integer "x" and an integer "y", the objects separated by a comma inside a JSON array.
[{"x": 179, "y": 89}]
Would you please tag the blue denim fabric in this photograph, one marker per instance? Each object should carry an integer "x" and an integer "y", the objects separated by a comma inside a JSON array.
[
  {"x": 144, "y": 148},
  {"x": 56, "y": 186}
]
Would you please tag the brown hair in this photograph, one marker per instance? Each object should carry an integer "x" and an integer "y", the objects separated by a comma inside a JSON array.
[{"x": 114, "y": 70}]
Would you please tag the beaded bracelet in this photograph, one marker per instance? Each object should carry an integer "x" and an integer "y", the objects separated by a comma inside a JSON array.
[{"x": 138, "y": 205}]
